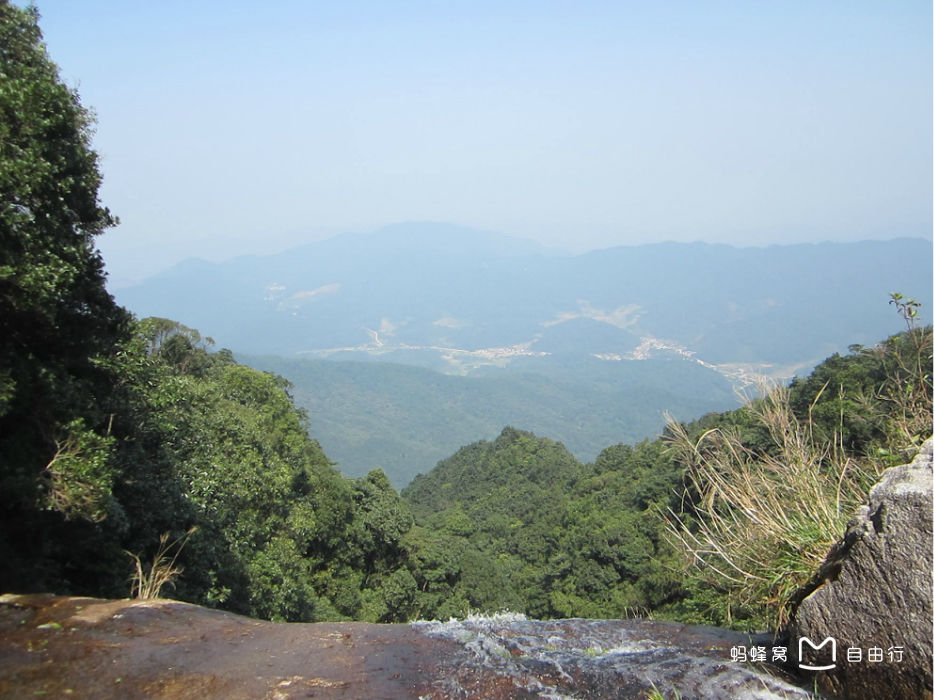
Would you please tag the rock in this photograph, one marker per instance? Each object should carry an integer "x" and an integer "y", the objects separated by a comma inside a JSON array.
[
  {"x": 85, "y": 647},
  {"x": 872, "y": 596}
]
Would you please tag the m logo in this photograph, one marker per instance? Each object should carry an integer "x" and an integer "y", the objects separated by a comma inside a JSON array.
[{"x": 833, "y": 653}]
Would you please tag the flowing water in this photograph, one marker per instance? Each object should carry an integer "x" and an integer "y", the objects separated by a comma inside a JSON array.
[{"x": 601, "y": 659}]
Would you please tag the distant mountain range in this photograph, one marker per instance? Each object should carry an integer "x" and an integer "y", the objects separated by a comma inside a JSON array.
[
  {"x": 456, "y": 299},
  {"x": 587, "y": 349}
]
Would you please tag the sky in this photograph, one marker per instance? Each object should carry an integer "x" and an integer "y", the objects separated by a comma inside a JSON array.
[{"x": 231, "y": 128}]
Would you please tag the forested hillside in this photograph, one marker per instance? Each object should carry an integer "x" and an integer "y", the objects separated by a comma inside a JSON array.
[
  {"x": 619, "y": 536},
  {"x": 405, "y": 419},
  {"x": 560, "y": 539}
]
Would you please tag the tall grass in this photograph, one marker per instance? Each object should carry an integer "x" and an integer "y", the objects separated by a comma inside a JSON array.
[
  {"x": 148, "y": 581},
  {"x": 764, "y": 519}
]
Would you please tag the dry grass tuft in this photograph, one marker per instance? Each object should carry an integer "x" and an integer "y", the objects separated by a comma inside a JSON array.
[
  {"x": 765, "y": 519},
  {"x": 163, "y": 570}
]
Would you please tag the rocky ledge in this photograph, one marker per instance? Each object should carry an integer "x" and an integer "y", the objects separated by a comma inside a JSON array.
[{"x": 87, "y": 647}]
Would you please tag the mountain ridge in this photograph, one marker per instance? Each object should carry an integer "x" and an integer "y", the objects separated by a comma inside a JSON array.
[{"x": 388, "y": 295}]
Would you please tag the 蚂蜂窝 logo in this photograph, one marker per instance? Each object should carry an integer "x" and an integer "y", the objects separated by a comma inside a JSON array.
[{"x": 817, "y": 647}]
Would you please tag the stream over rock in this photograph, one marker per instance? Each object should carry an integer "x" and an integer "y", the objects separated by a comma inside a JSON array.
[
  {"x": 92, "y": 648},
  {"x": 579, "y": 658}
]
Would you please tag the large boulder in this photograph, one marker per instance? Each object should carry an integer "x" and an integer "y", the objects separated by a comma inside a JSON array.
[{"x": 872, "y": 597}]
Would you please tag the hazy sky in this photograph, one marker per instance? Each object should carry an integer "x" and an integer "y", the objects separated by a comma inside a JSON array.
[{"x": 233, "y": 127}]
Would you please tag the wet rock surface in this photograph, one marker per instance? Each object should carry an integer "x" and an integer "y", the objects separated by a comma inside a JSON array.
[
  {"x": 86, "y": 647},
  {"x": 601, "y": 659},
  {"x": 83, "y": 647}
]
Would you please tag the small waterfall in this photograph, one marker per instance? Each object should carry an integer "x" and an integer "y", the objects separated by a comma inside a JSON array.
[{"x": 514, "y": 657}]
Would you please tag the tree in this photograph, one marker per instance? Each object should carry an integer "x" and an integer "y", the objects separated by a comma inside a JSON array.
[{"x": 58, "y": 324}]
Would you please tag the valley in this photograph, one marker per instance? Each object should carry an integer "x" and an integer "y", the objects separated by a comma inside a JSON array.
[
  {"x": 404, "y": 419},
  {"x": 407, "y": 342}
]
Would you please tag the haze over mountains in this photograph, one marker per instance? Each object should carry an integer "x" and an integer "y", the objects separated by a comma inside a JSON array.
[
  {"x": 454, "y": 298},
  {"x": 550, "y": 342}
]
